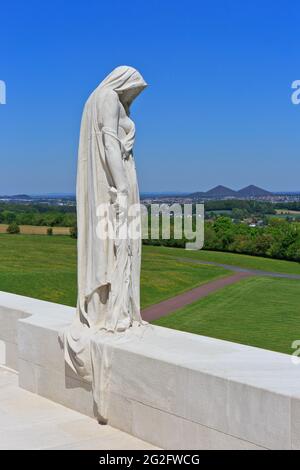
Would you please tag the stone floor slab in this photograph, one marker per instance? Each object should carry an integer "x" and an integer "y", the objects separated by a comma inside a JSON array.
[{"x": 28, "y": 421}]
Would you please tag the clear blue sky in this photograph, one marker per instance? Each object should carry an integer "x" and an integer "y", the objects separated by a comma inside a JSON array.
[{"x": 217, "y": 111}]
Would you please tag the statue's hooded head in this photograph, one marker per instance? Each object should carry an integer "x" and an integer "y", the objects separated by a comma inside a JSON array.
[{"x": 127, "y": 82}]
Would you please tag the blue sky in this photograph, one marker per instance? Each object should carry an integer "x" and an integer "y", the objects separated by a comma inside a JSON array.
[{"x": 217, "y": 111}]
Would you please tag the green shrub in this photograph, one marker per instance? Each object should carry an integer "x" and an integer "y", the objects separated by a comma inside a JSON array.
[
  {"x": 13, "y": 228},
  {"x": 73, "y": 230}
]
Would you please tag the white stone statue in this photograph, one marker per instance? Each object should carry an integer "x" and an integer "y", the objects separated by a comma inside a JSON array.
[{"x": 108, "y": 267}]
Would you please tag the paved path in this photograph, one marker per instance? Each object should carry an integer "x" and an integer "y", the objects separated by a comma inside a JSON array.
[
  {"x": 238, "y": 269},
  {"x": 179, "y": 301},
  {"x": 29, "y": 421}
]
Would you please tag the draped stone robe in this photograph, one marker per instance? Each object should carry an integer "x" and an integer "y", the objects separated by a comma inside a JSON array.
[{"x": 108, "y": 268}]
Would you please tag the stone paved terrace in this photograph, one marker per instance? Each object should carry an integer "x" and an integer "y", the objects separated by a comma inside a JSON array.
[{"x": 28, "y": 421}]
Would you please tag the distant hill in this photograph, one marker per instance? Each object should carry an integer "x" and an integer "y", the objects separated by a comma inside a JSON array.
[
  {"x": 218, "y": 192},
  {"x": 17, "y": 196},
  {"x": 197, "y": 195},
  {"x": 253, "y": 191},
  {"x": 222, "y": 192}
]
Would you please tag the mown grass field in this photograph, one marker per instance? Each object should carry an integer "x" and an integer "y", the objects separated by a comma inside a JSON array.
[
  {"x": 258, "y": 311},
  {"x": 234, "y": 259},
  {"x": 37, "y": 230},
  {"x": 287, "y": 211},
  {"x": 45, "y": 268}
]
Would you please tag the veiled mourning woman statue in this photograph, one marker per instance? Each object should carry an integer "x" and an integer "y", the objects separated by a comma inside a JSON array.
[{"x": 108, "y": 266}]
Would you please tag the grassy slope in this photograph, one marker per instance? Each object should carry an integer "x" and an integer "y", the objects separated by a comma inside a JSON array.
[
  {"x": 45, "y": 268},
  {"x": 163, "y": 277},
  {"x": 39, "y": 266},
  {"x": 245, "y": 261},
  {"x": 262, "y": 312}
]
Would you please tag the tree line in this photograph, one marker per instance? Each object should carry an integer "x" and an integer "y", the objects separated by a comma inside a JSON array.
[
  {"x": 250, "y": 207},
  {"x": 279, "y": 239},
  {"x": 37, "y": 214}
]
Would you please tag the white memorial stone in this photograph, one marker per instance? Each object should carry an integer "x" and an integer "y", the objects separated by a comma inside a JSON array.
[{"x": 109, "y": 245}]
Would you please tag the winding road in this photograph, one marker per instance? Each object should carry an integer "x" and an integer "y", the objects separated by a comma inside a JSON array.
[{"x": 238, "y": 269}]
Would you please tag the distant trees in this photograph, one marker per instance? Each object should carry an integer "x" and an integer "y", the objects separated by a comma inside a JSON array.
[
  {"x": 279, "y": 239},
  {"x": 37, "y": 214},
  {"x": 249, "y": 207},
  {"x": 292, "y": 206},
  {"x": 7, "y": 217}
]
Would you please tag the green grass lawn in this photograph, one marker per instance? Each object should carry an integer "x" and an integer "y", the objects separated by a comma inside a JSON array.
[
  {"x": 45, "y": 268},
  {"x": 258, "y": 311},
  {"x": 263, "y": 312},
  {"x": 39, "y": 266},
  {"x": 244, "y": 261},
  {"x": 164, "y": 277}
]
